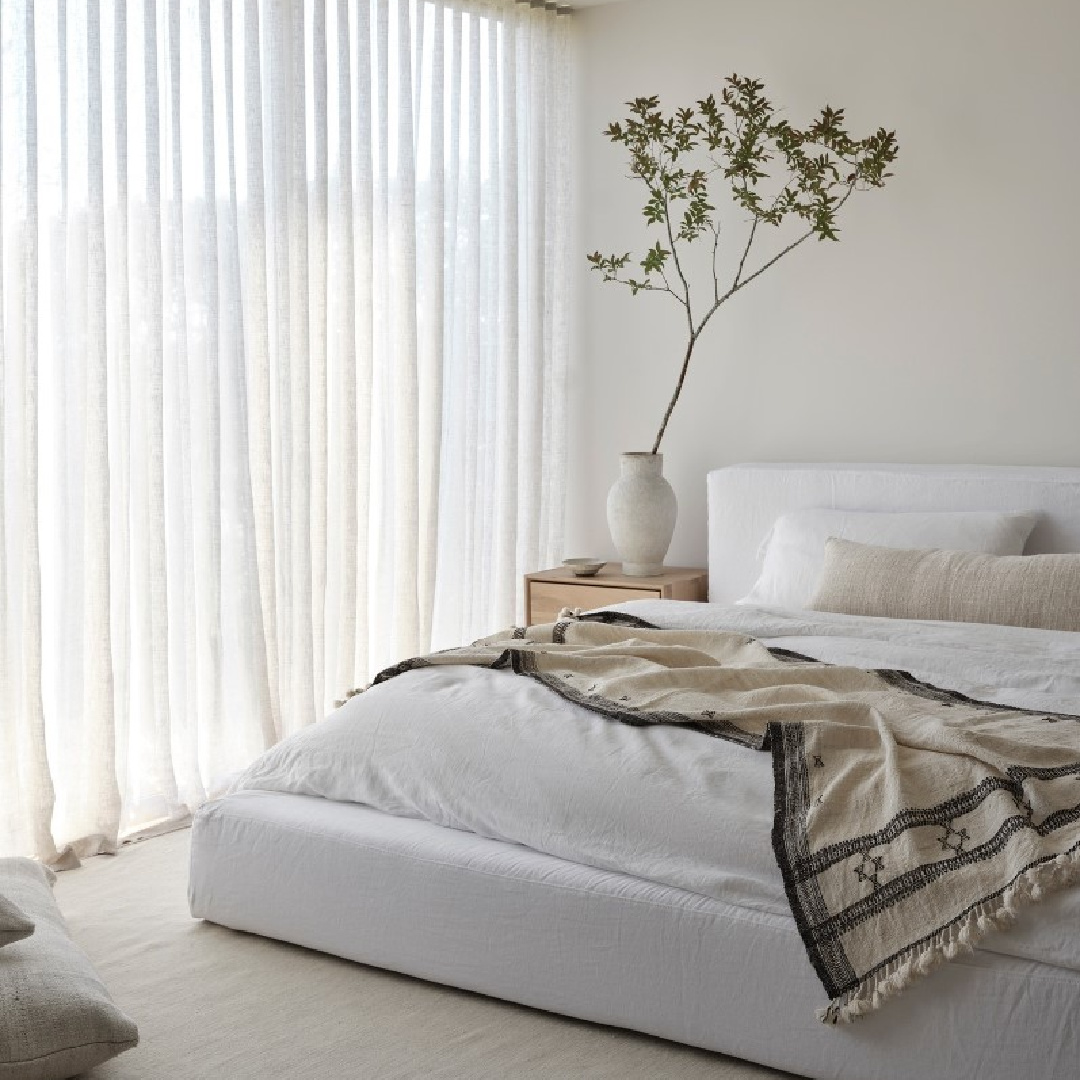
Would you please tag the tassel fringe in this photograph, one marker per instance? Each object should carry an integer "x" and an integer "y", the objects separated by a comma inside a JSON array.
[
  {"x": 350, "y": 694},
  {"x": 956, "y": 938}
]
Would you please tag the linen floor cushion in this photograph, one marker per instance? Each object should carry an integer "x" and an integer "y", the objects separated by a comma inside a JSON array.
[
  {"x": 950, "y": 586},
  {"x": 14, "y": 925},
  {"x": 56, "y": 1017}
]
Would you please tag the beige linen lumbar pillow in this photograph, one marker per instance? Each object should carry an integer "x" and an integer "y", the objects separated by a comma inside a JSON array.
[
  {"x": 950, "y": 586},
  {"x": 14, "y": 925},
  {"x": 794, "y": 550},
  {"x": 56, "y": 1017}
]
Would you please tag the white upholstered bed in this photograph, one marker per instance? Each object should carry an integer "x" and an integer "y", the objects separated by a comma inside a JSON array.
[{"x": 666, "y": 914}]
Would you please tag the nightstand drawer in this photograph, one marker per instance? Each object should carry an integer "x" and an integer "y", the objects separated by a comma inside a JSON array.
[
  {"x": 547, "y": 599},
  {"x": 547, "y": 592}
]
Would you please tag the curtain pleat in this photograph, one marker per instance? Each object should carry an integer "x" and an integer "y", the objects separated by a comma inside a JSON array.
[
  {"x": 63, "y": 272},
  {"x": 560, "y": 92},
  {"x": 155, "y": 568},
  {"x": 531, "y": 354},
  {"x": 380, "y": 544},
  {"x": 469, "y": 386},
  {"x": 256, "y": 313},
  {"x": 122, "y": 512},
  {"x": 364, "y": 285},
  {"x": 402, "y": 345},
  {"x": 236, "y": 359},
  {"x": 205, "y": 392},
  {"x": 12, "y": 815},
  {"x": 301, "y": 675},
  {"x": 431, "y": 277},
  {"x": 38, "y": 793},
  {"x": 317, "y": 273},
  {"x": 183, "y": 581},
  {"x": 98, "y": 718},
  {"x": 341, "y": 591},
  {"x": 450, "y": 599},
  {"x": 504, "y": 562},
  {"x": 282, "y": 375},
  {"x": 276, "y": 75}
]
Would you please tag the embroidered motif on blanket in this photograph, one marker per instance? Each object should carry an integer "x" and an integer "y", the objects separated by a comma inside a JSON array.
[
  {"x": 869, "y": 869},
  {"x": 953, "y": 839}
]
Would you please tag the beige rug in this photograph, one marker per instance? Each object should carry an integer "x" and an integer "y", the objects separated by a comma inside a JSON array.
[{"x": 214, "y": 1003}]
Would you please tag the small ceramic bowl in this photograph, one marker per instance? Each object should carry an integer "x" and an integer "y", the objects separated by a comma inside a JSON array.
[{"x": 584, "y": 567}]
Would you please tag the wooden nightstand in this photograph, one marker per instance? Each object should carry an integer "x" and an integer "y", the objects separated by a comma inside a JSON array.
[{"x": 547, "y": 592}]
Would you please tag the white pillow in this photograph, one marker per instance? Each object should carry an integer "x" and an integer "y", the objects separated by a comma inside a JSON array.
[{"x": 795, "y": 547}]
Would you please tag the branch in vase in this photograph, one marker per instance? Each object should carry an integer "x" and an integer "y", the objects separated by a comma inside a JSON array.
[{"x": 741, "y": 140}]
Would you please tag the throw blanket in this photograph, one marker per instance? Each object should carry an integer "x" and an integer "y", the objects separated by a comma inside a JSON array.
[{"x": 909, "y": 820}]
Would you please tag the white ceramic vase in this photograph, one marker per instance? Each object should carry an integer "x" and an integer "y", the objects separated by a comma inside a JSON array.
[{"x": 641, "y": 511}]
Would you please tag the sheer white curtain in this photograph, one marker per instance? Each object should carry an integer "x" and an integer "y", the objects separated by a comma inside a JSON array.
[{"x": 283, "y": 335}]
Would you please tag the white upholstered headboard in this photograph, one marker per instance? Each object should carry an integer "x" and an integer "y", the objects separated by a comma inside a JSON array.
[{"x": 745, "y": 500}]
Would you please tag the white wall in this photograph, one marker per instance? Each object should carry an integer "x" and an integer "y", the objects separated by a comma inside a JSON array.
[{"x": 944, "y": 327}]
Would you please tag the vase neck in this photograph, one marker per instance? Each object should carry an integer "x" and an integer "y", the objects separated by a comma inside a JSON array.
[{"x": 641, "y": 464}]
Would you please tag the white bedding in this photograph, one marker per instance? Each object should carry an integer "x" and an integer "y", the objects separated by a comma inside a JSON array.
[{"x": 498, "y": 755}]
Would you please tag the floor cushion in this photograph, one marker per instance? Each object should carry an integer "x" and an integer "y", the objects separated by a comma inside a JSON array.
[
  {"x": 14, "y": 925},
  {"x": 57, "y": 1019}
]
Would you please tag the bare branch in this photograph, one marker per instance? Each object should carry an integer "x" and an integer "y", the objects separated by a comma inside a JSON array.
[
  {"x": 715, "y": 247},
  {"x": 678, "y": 264},
  {"x": 645, "y": 286},
  {"x": 746, "y": 251},
  {"x": 668, "y": 288},
  {"x": 761, "y": 270},
  {"x": 739, "y": 284},
  {"x": 746, "y": 281},
  {"x": 678, "y": 390}
]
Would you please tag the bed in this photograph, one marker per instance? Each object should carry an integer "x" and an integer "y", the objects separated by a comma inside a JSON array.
[{"x": 654, "y": 919}]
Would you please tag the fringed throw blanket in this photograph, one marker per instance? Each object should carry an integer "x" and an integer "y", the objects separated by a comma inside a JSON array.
[{"x": 909, "y": 820}]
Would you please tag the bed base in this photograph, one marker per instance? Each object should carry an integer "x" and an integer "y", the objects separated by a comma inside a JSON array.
[{"x": 495, "y": 918}]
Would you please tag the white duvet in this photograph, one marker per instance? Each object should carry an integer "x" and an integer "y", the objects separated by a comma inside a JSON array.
[{"x": 494, "y": 753}]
